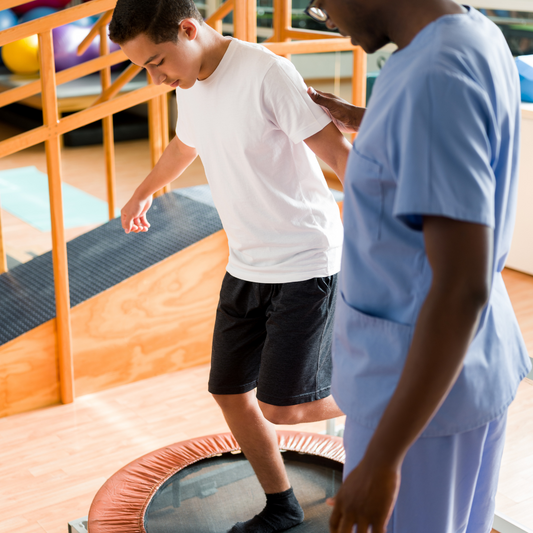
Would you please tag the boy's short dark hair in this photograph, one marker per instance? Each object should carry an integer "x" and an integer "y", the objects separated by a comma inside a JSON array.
[{"x": 158, "y": 19}]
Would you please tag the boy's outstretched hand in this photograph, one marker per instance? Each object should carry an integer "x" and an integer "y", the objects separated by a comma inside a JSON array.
[
  {"x": 345, "y": 116},
  {"x": 133, "y": 214}
]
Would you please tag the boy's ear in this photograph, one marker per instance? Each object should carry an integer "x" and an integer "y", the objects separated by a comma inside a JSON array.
[{"x": 189, "y": 27}]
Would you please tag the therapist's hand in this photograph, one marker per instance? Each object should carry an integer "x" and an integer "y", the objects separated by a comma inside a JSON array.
[
  {"x": 366, "y": 498},
  {"x": 345, "y": 116}
]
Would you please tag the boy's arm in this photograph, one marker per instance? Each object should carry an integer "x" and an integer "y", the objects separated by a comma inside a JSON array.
[
  {"x": 332, "y": 147},
  {"x": 175, "y": 159}
]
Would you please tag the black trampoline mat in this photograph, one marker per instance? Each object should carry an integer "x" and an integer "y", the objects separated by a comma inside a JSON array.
[{"x": 213, "y": 494}]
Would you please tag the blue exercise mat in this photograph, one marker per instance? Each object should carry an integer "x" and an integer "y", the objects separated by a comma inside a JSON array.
[{"x": 24, "y": 194}]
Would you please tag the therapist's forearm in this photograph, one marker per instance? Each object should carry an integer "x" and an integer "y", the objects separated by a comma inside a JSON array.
[{"x": 175, "y": 159}]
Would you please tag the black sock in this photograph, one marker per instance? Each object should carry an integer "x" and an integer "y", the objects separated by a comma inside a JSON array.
[{"x": 282, "y": 511}]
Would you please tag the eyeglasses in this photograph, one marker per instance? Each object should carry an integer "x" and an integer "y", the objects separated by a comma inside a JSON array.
[{"x": 316, "y": 13}]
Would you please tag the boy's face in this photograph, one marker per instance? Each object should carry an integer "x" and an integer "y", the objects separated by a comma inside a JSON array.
[{"x": 175, "y": 64}]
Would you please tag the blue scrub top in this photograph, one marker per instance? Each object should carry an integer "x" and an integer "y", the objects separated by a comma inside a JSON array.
[{"x": 440, "y": 137}]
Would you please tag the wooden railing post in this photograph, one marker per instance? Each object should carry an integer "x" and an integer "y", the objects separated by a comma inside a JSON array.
[
  {"x": 59, "y": 247},
  {"x": 3, "y": 259},
  {"x": 164, "y": 128},
  {"x": 359, "y": 78},
  {"x": 107, "y": 126},
  {"x": 245, "y": 20},
  {"x": 155, "y": 132},
  {"x": 282, "y": 20}
]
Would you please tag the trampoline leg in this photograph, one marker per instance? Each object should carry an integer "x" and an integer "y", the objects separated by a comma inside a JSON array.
[
  {"x": 176, "y": 495},
  {"x": 330, "y": 427}
]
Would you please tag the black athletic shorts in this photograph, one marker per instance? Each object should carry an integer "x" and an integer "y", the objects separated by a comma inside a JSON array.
[{"x": 276, "y": 337}]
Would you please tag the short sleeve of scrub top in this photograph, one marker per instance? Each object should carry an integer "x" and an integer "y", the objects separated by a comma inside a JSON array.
[{"x": 445, "y": 137}]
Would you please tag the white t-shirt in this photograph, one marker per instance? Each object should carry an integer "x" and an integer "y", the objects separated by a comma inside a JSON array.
[{"x": 248, "y": 121}]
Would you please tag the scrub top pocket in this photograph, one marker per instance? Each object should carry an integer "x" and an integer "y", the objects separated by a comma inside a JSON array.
[
  {"x": 369, "y": 356},
  {"x": 367, "y": 187}
]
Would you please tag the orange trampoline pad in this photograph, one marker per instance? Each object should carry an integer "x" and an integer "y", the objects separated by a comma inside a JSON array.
[{"x": 204, "y": 485}]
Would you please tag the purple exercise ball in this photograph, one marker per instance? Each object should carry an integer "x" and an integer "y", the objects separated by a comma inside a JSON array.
[{"x": 67, "y": 38}]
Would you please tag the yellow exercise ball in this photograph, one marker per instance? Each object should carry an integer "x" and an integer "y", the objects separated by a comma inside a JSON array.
[{"x": 22, "y": 57}]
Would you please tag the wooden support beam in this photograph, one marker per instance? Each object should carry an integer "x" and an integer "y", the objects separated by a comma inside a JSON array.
[
  {"x": 129, "y": 73},
  {"x": 282, "y": 20},
  {"x": 359, "y": 77},
  {"x": 102, "y": 22},
  {"x": 59, "y": 247},
  {"x": 164, "y": 129},
  {"x": 251, "y": 21},
  {"x": 155, "y": 133},
  {"x": 245, "y": 20},
  {"x": 215, "y": 20},
  {"x": 107, "y": 127},
  {"x": 240, "y": 20}
]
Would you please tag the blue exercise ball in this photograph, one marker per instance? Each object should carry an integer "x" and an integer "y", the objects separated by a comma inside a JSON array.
[
  {"x": 37, "y": 13},
  {"x": 7, "y": 20},
  {"x": 87, "y": 21}
]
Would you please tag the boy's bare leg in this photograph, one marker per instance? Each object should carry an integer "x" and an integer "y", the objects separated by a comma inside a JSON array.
[
  {"x": 305, "y": 412},
  {"x": 258, "y": 440}
]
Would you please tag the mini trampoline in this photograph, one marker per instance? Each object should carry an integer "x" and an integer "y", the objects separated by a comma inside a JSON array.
[{"x": 205, "y": 485}]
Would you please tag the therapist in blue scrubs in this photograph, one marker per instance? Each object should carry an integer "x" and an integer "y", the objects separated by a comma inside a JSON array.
[{"x": 428, "y": 354}]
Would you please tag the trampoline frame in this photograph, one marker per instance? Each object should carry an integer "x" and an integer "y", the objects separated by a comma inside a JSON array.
[{"x": 121, "y": 503}]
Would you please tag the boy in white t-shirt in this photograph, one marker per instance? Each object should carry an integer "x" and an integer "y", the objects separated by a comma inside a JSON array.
[{"x": 246, "y": 112}]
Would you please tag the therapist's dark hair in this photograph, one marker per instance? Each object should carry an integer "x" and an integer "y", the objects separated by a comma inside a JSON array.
[{"x": 158, "y": 19}]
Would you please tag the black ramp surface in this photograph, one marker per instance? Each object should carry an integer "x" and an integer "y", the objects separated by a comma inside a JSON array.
[
  {"x": 104, "y": 257},
  {"x": 212, "y": 495}
]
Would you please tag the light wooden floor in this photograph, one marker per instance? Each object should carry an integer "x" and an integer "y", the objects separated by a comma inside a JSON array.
[{"x": 52, "y": 461}]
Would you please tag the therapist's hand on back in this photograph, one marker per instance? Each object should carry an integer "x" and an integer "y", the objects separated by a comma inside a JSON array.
[
  {"x": 133, "y": 214},
  {"x": 345, "y": 116}
]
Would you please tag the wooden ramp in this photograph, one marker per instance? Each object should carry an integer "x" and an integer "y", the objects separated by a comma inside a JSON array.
[{"x": 142, "y": 305}]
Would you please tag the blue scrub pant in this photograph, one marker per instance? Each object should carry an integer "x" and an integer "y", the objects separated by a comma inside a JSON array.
[{"x": 448, "y": 483}]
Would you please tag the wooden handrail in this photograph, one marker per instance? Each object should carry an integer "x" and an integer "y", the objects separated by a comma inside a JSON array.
[
  {"x": 297, "y": 33},
  {"x": 69, "y": 74},
  {"x": 129, "y": 73},
  {"x": 102, "y": 22},
  {"x": 310, "y": 47},
  {"x": 81, "y": 118},
  {"x": 110, "y": 102},
  {"x": 54, "y": 20}
]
